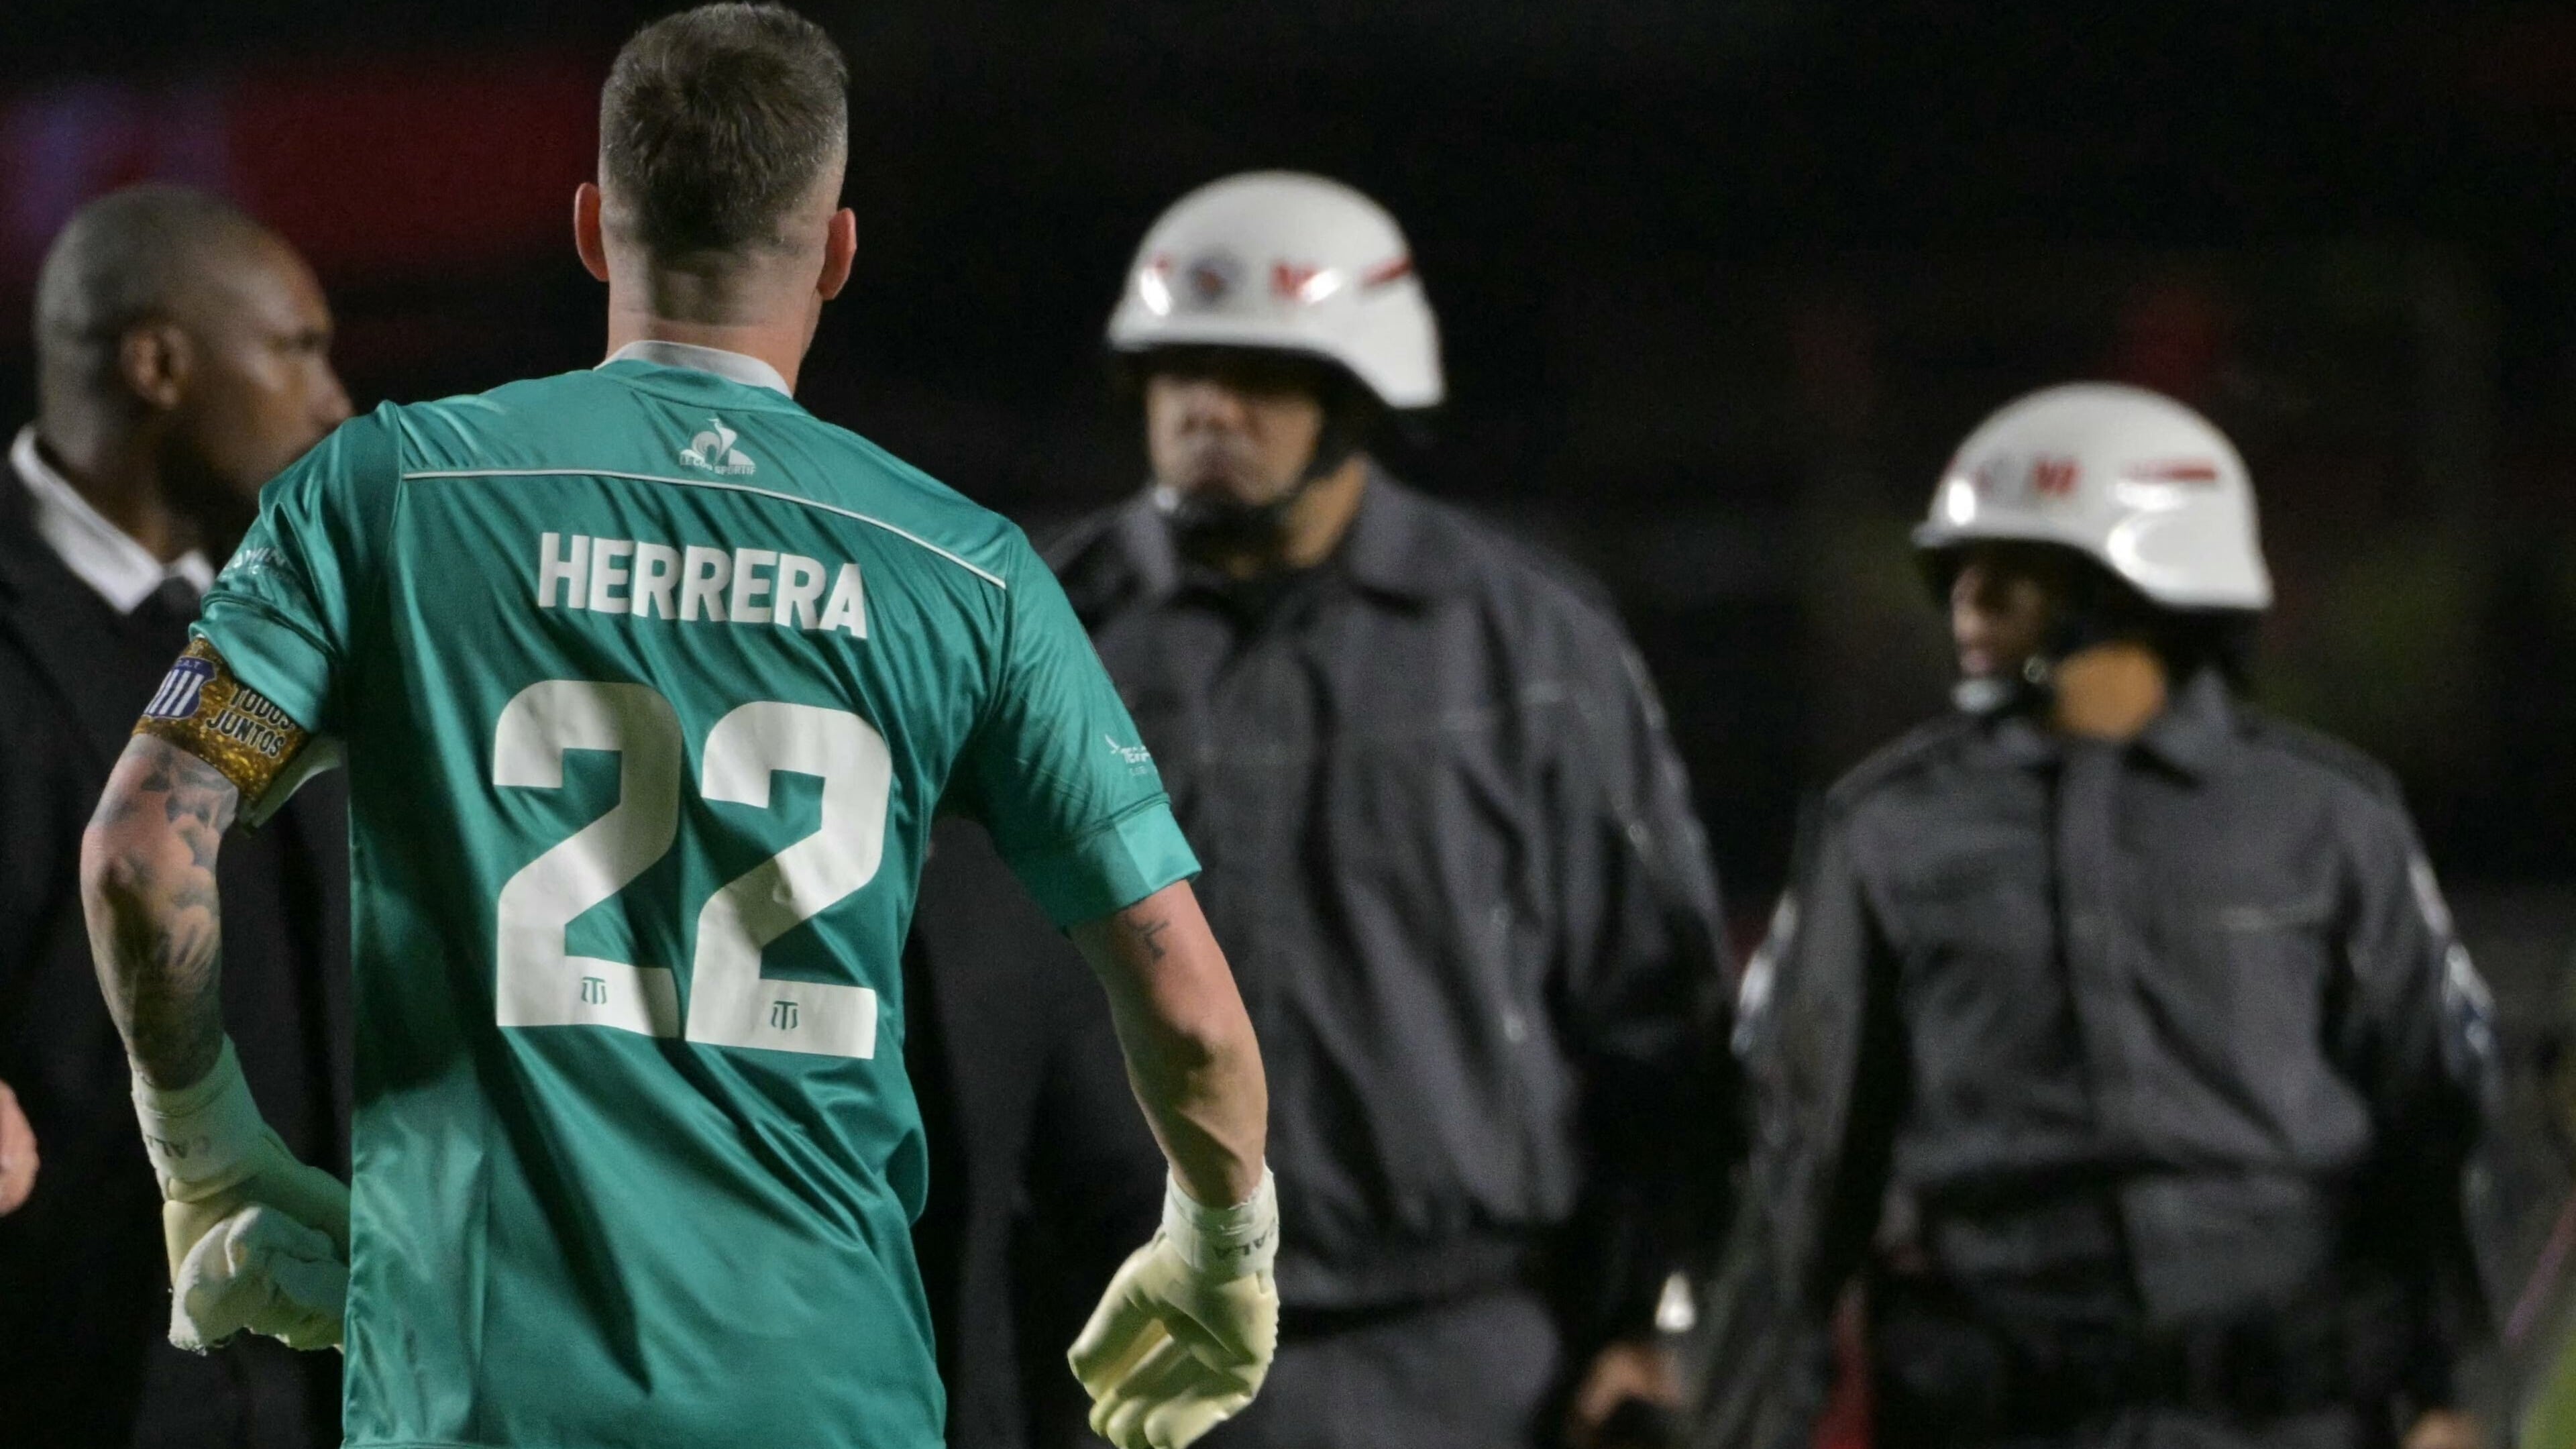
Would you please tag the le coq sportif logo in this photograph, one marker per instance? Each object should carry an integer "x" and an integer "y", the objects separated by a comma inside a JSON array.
[{"x": 714, "y": 451}]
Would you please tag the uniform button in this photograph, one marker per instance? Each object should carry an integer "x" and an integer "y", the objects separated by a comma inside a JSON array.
[{"x": 1515, "y": 1028}]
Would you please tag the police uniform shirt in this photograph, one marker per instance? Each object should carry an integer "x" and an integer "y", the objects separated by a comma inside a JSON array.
[
  {"x": 2185, "y": 1013},
  {"x": 1451, "y": 855}
]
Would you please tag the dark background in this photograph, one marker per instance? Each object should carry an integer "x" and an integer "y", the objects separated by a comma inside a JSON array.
[{"x": 1721, "y": 284}]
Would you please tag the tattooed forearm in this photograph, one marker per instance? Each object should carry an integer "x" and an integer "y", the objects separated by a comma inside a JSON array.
[{"x": 155, "y": 922}]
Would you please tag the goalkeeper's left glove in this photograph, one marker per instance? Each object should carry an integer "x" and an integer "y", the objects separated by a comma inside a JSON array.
[
  {"x": 1183, "y": 1338},
  {"x": 215, "y": 1156},
  {"x": 261, "y": 1270}
]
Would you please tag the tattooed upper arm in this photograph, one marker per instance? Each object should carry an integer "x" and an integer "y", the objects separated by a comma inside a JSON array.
[
  {"x": 187, "y": 793},
  {"x": 155, "y": 915}
]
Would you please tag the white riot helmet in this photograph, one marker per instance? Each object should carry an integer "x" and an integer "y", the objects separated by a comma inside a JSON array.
[
  {"x": 1286, "y": 262},
  {"x": 2130, "y": 478}
]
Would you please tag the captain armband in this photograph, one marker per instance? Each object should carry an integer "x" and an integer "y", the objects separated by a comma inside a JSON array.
[{"x": 204, "y": 710}]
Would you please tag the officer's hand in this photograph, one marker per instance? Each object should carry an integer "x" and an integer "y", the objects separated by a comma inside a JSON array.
[
  {"x": 2446, "y": 1429},
  {"x": 1183, "y": 1338},
  {"x": 1636, "y": 1371},
  {"x": 17, "y": 1153}
]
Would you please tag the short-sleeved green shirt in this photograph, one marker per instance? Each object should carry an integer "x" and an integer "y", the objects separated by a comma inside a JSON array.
[{"x": 649, "y": 685}]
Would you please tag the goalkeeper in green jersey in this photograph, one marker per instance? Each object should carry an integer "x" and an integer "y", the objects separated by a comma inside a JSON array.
[{"x": 649, "y": 685}]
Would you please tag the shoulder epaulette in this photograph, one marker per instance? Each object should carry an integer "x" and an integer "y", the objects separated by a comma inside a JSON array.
[
  {"x": 1090, "y": 558},
  {"x": 1065, "y": 544},
  {"x": 1899, "y": 757},
  {"x": 1524, "y": 557},
  {"x": 2322, "y": 749}
]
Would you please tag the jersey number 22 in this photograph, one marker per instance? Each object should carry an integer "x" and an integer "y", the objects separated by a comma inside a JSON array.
[{"x": 538, "y": 982}]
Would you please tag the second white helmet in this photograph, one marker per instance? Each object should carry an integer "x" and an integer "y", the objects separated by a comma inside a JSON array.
[
  {"x": 2132, "y": 479},
  {"x": 1286, "y": 262}
]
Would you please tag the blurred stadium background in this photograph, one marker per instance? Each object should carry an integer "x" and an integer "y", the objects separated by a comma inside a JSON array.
[{"x": 1721, "y": 282}]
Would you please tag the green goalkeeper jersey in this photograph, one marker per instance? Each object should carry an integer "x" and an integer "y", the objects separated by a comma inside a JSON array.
[{"x": 649, "y": 685}]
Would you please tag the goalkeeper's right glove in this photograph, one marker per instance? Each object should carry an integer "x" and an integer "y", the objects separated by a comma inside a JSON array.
[
  {"x": 1183, "y": 1338},
  {"x": 215, "y": 1155}
]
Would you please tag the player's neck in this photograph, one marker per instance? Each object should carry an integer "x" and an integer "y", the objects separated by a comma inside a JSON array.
[
  {"x": 117, "y": 470},
  {"x": 782, "y": 346},
  {"x": 766, "y": 313}
]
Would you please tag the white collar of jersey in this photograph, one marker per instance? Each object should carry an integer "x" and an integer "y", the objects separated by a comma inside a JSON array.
[
  {"x": 98, "y": 553},
  {"x": 732, "y": 366}
]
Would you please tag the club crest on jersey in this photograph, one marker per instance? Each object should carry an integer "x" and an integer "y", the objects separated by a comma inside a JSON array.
[{"x": 714, "y": 451}]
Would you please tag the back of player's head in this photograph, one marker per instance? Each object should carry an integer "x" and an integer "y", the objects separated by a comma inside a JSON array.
[
  {"x": 716, "y": 121},
  {"x": 125, "y": 260}
]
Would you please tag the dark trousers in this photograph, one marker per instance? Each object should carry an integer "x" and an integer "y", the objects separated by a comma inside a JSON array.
[
  {"x": 2070, "y": 1366},
  {"x": 1474, "y": 1373}
]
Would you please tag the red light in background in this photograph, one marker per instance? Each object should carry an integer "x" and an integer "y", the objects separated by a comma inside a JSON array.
[{"x": 374, "y": 168}]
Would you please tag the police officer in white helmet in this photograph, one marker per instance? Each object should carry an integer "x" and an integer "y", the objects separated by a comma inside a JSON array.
[
  {"x": 1445, "y": 837},
  {"x": 2114, "y": 1035}
]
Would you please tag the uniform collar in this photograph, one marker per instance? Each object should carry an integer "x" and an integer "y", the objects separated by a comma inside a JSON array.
[
  {"x": 2195, "y": 726},
  {"x": 2186, "y": 738},
  {"x": 98, "y": 553},
  {"x": 1397, "y": 544},
  {"x": 731, "y": 366}
]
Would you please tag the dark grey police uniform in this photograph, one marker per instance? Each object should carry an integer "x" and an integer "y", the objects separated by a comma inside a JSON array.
[
  {"x": 1451, "y": 855},
  {"x": 2136, "y": 1082}
]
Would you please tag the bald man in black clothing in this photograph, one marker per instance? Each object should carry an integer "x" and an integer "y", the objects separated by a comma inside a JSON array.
[{"x": 182, "y": 359}]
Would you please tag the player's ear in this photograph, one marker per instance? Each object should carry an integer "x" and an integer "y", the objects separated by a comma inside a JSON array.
[
  {"x": 155, "y": 360},
  {"x": 840, "y": 252},
  {"x": 586, "y": 238}
]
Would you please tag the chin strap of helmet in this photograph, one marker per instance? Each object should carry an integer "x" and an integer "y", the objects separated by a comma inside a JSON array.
[
  {"x": 1216, "y": 522},
  {"x": 2086, "y": 620}
]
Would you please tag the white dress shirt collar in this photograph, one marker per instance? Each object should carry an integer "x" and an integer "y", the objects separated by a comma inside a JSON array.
[
  {"x": 99, "y": 553},
  {"x": 734, "y": 366}
]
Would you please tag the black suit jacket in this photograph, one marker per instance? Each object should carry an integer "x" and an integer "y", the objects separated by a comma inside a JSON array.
[{"x": 84, "y": 1292}]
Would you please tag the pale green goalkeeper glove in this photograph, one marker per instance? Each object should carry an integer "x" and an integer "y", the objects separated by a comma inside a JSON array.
[
  {"x": 216, "y": 1156},
  {"x": 1183, "y": 1338}
]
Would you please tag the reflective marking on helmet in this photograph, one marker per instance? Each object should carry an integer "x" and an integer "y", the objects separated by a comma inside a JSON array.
[
  {"x": 2173, "y": 470},
  {"x": 1959, "y": 499},
  {"x": 1154, "y": 286},
  {"x": 1213, "y": 278},
  {"x": 1319, "y": 286},
  {"x": 2054, "y": 477},
  {"x": 1385, "y": 272}
]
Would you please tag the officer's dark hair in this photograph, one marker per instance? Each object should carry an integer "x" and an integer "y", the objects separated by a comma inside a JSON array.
[
  {"x": 2188, "y": 640},
  {"x": 2100, "y": 605},
  {"x": 1354, "y": 419},
  {"x": 124, "y": 261},
  {"x": 715, "y": 121}
]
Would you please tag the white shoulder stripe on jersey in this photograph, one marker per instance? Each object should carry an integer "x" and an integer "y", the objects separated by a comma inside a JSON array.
[{"x": 909, "y": 537}]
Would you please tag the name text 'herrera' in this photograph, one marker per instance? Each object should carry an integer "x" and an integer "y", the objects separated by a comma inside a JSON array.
[{"x": 693, "y": 584}]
